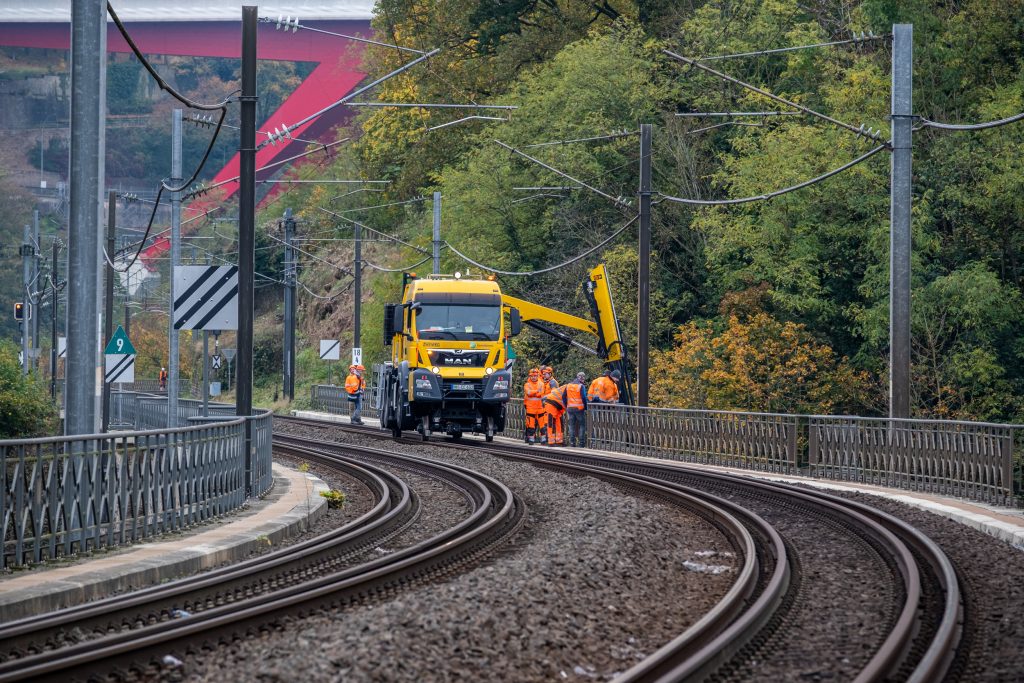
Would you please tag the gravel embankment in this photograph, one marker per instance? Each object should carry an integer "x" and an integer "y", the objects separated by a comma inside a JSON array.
[
  {"x": 992, "y": 580},
  {"x": 596, "y": 580}
]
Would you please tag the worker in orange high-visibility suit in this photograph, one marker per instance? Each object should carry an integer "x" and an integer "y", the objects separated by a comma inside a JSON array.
[
  {"x": 605, "y": 389},
  {"x": 576, "y": 410},
  {"x": 547, "y": 379},
  {"x": 354, "y": 387},
  {"x": 536, "y": 418},
  {"x": 554, "y": 404}
]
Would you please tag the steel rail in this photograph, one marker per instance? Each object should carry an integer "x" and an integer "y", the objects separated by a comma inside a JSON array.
[
  {"x": 750, "y": 603},
  {"x": 887, "y": 531},
  {"x": 496, "y": 516},
  {"x": 394, "y": 503}
]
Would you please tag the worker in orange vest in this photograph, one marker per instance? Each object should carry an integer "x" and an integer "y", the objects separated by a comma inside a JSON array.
[
  {"x": 576, "y": 410},
  {"x": 354, "y": 386},
  {"x": 163, "y": 379},
  {"x": 605, "y": 389},
  {"x": 554, "y": 405},
  {"x": 547, "y": 376},
  {"x": 536, "y": 418},
  {"x": 549, "y": 383}
]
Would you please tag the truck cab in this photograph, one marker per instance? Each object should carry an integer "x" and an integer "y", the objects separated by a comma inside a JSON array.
[{"x": 447, "y": 371}]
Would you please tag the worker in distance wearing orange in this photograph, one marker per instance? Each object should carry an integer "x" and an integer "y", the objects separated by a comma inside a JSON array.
[
  {"x": 554, "y": 405},
  {"x": 354, "y": 387},
  {"x": 576, "y": 410},
  {"x": 605, "y": 389},
  {"x": 549, "y": 383},
  {"x": 533, "y": 405}
]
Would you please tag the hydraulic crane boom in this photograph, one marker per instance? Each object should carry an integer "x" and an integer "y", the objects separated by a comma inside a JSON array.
[{"x": 604, "y": 326}]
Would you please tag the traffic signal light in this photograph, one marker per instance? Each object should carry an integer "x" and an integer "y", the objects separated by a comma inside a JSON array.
[{"x": 19, "y": 310}]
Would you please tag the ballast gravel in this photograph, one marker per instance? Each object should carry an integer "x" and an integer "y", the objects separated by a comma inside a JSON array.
[
  {"x": 991, "y": 576},
  {"x": 597, "y": 579}
]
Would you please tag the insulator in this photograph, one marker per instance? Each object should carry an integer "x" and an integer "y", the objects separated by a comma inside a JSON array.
[
  {"x": 279, "y": 18},
  {"x": 295, "y": 25}
]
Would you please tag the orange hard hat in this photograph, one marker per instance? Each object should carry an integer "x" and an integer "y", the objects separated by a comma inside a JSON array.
[
  {"x": 546, "y": 368},
  {"x": 360, "y": 368},
  {"x": 534, "y": 371}
]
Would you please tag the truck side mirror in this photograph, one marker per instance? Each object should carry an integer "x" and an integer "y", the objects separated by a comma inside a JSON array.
[
  {"x": 515, "y": 321},
  {"x": 398, "y": 320}
]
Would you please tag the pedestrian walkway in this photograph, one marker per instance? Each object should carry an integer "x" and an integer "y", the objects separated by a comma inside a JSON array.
[
  {"x": 1004, "y": 523},
  {"x": 293, "y": 504}
]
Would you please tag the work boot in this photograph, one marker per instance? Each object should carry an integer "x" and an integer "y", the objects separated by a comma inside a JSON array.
[{"x": 357, "y": 421}]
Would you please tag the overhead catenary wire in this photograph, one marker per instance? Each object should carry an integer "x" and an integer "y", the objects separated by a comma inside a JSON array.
[
  {"x": 860, "y": 132},
  {"x": 862, "y": 38},
  {"x": 378, "y": 232},
  {"x": 617, "y": 201},
  {"x": 612, "y": 136},
  {"x": 295, "y": 25},
  {"x": 220, "y": 106},
  {"x": 926, "y": 123},
  {"x": 398, "y": 270},
  {"x": 527, "y": 273},
  {"x": 776, "y": 193}
]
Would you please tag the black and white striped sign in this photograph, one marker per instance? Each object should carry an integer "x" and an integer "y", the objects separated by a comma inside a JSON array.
[
  {"x": 330, "y": 349},
  {"x": 206, "y": 297},
  {"x": 120, "y": 367}
]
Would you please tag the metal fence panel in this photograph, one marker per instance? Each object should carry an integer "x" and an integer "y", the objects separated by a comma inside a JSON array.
[
  {"x": 62, "y": 495},
  {"x": 968, "y": 459},
  {"x": 333, "y": 399}
]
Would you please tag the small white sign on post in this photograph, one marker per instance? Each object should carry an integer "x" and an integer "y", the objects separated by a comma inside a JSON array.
[
  {"x": 357, "y": 356},
  {"x": 62, "y": 346},
  {"x": 330, "y": 349}
]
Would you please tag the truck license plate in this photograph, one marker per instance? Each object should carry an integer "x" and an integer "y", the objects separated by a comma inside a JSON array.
[{"x": 462, "y": 387}]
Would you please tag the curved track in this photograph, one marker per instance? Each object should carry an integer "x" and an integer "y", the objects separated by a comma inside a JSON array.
[
  {"x": 923, "y": 631},
  {"x": 243, "y": 598}
]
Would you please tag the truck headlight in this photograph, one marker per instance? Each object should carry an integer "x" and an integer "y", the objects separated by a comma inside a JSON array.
[
  {"x": 489, "y": 371},
  {"x": 436, "y": 370}
]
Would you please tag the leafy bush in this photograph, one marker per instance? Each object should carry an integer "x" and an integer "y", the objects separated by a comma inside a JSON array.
[{"x": 25, "y": 407}]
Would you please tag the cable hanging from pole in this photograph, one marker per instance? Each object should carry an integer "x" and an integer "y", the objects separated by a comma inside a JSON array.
[
  {"x": 574, "y": 259},
  {"x": 862, "y": 131},
  {"x": 776, "y": 193},
  {"x": 396, "y": 270},
  {"x": 926, "y": 123}
]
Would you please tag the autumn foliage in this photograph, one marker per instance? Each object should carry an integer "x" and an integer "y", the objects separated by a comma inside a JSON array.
[{"x": 758, "y": 364}]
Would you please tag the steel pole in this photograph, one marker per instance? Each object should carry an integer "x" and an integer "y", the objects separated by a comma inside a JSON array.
[
  {"x": 246, "y": 214},
  {"x": 172, "y": 334},
  {"x": 437, "y": 233},
  {"x": 53, "y": 321},
  {"x": 26, "y": 297},
  {"x": 289, "y": 306},
  {"x": 108, "y": 301},
  {"x": 644, "y": 310},
  {"x": 206, "y": 373},
  {"x": 88, "y": 25},
  {"x": 37, "y": 297},
  {"x": 358, "y": 285},
  {"x": 900, "y": 226}
]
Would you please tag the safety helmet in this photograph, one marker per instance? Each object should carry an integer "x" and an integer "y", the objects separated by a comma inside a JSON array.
[
  {"x": 616, "y": 374},
  {"x": 546, "y": 368},
  {"x": 352, "y": 367},
  {"x": 360, "y": 368},
  {"x": 534, "y": 371}
]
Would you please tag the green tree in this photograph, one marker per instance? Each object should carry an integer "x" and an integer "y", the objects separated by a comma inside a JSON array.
[{"x": 25, "y": 406}]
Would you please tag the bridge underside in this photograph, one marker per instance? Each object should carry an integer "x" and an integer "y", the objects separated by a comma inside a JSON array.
[{"x": 335, "y": 75}]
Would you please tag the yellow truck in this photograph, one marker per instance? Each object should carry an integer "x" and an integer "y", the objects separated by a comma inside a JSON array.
[{"x": 449, "y": 339}]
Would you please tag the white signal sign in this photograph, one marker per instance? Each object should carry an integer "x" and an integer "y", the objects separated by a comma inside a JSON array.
[
  {"x": 330, "y": 349},
  {"x": 357, "y": 356}
]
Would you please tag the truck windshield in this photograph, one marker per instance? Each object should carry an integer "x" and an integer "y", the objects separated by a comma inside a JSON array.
[{"x": 458, "y": 321}]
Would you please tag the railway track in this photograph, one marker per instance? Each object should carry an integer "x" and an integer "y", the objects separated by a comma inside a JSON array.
[
  {"x": 923, "y": 628},
  {"x": 128, "y": 632}
]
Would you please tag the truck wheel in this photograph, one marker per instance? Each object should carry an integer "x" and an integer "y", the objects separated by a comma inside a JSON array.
[
  {"x": 489, "y": 435},
  {"x": 425, "y": 428}
]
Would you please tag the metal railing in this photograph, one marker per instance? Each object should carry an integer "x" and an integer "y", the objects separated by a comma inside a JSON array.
[
  {"x": 972, "y": 460},
  {"x": 332, "y": 399},
  {"x": 63, "y": 495}
]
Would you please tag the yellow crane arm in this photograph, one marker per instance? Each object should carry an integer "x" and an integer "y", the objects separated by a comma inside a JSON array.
[
  {"x": 605, "y": 326},
  {"x": 530, "y": 311}
]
